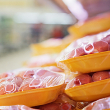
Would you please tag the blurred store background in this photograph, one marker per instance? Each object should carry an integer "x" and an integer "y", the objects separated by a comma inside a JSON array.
[
  {"x": 30, "y": 21},
  {"x": 23, "y": 22}
]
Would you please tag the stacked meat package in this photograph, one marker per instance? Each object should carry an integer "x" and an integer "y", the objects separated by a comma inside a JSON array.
[{"x": 74, "y": 77}]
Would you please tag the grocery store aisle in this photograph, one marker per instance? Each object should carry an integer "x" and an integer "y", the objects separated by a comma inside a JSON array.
[{"x": 14, "y": 60}]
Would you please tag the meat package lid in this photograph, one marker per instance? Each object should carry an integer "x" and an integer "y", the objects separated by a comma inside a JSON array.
[
  {"x": 87, "y": 54},
  {"x": 90, "y": 92}
]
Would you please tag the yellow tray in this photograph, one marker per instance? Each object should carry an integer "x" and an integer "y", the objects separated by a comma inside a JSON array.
[
  {"x": 88, "y": 63},
  {"x": 42, "y": 48},
  {"x": 91, "y": 91},
  {"x": 52, "y": 64},
  {"x": 91, "y": 26},
  {"x": 44, "y": 65},
  {"x": 31, "y": 98},
  {"x": 38, "y": 49}
]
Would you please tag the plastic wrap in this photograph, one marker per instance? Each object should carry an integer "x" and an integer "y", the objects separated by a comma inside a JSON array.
[
  {"x": 16, "y": 107},
  {"x": 42, "y": 60},
  {"x": 49, "y": 46},
  {"x": 32, "y": 78},
  {"x": 10, "y": 84},
  {"x": 100, "y": 104},
  {"x": 7, "y": 88},
  {"x": 79, "y": 80},
  {"x": 42, "y": 79},
  {"x": 81, "y": 87},
  {"x": 87, "y": 45},
  {"x": 25, "y": 72},
  {"x": 54, "y": 68},
  {"x": 90, "y": 51},
  {"x": 91, "y": 26},
  {"x": 31, "y": 87},
  {"x": 82, "y": 79},
  {"x": 7, "y": 74},
  {"x": 51, "y": 42}
]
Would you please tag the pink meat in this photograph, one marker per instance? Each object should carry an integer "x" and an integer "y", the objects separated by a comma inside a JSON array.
[
  {"x": 7, "y": 74},
  {"x": 51, "y": 106},
  {"x": 75, "y": 53},
  {"x": 106, "y": 39},
  {"x": 17, "y": 80},
  {"x": 56, "y": 106},
  {"x": 100, "y": 46},
  {"x": 100, "y": 75},
  {"x": 89, "y": 48},
  {"x": 80, "y": 80},
  {"x": 8, "y": 88},
  {"x": 54, "y": 68}
]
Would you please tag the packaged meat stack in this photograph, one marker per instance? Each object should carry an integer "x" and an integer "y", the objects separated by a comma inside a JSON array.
[
  {"x": 30, "y": 87},
  {"x": 38, "y": 88},
  {"x": 45, "y": 53},
  {"x": 50, "y": 46},
  {"x": 42, "y": 61},
  {"x": 87, "y": 54},
  {"x": 46, "y": 61},
  {"x": 87, "y": 59},
  {"x": 91, "y": 26}
]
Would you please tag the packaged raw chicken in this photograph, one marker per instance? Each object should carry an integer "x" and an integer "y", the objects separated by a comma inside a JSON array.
[
  {"x": 90, "y": 26},
  {"x": 49, "y": 46},
  {"x": 6, "y": 74},
  {"x": 41, "y": 79},
  {"x": 16, "y": 107},
  {"x": 7, "y": 88},
  {"x": 51, "y": 42},
  {"x": 79, "y": 80},
  {"x": 32, "y": 78},
  {"x": 42, "y": 61},
  {"x": 87, "y": 45},
  {"x": 101, "y": 104},
  {"x": 88, "y": 54},
  {"x": 31, "y": 87},
  {"x": 82, "y": 79},
  {"x": 89, "y": 87},
  {"x": 25, "y": 72},
  {"x": 10, "y": 84},
  {"x": 54, "y": 68}
]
